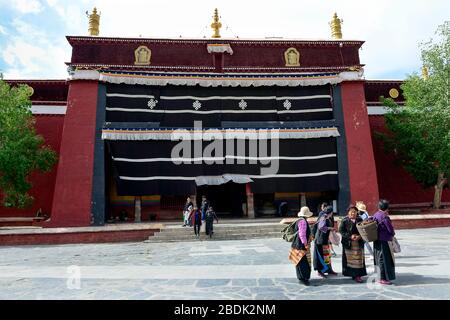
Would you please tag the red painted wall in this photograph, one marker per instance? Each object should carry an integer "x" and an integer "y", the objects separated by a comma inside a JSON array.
[
  {"x": 72, "y": 197},
  {"x": 361, "y": 163},
  {"x": 394, "y": 182},
  {"x": 50, "y": 127}
]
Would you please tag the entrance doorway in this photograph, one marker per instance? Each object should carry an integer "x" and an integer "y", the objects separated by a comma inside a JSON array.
[{"x": 226, "y": 199}]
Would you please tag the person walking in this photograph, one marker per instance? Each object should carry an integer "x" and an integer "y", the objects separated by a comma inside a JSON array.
[
  {"x": 322, "y": 255},
  {"x": 299, "y": 253},
  {"x": 204, "y": 207},
  {"x": 186, "y": 211},
  {"x": 353, "y": 263},
  {"x": 364, "y": 215},
  {"x": 196, "y": 217},
  {"x": 209, "y": 221},
  {"x": 383, "y": 256},
  {"x": 322, "y": 211}
]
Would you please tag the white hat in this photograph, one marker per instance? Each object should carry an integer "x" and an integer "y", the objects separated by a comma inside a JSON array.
[
  {"x": 304, "y": 212},
  {"x": 361, "y": 206}
]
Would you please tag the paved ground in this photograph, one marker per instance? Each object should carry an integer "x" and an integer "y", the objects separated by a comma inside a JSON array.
[{"x": 249, "y": 269}]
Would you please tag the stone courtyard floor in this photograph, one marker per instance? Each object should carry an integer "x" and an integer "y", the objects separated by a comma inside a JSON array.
[{"x": 246, "y": 269}]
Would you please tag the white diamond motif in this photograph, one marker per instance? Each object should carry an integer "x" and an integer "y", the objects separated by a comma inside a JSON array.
[
  {"x": 197, "y": 105},
  {"x": 152, "y": 103},
  {"x": 243, "y": 104},
  {"x": 287, "y": 104}
]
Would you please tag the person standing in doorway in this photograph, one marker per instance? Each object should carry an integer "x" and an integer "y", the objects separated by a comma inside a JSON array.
[
  {"x": 204, "y": 207},
  {"x": 186, "y": 211},
  {"x": 196, "y": 218},
  {"x": 210, "y": 216}
]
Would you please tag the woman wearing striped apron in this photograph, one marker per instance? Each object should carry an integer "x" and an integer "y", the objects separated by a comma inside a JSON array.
[
  {"x": 353, "y": 263},
  {"x": 322, "y": 249},
  {"x": 299, "y": 253}
]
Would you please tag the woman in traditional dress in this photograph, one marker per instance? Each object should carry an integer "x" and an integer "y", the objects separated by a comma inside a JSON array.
[
  {"x": 353, "y": 263},
  {"x": 196, "y": 217},
  {"x": 210, "y": 216},
  {"x": 383, "y": 256},
  {"x": 322, "y": 252},
  {"x": 186, "y": 211},
  {"x": 300, "y": 254},
  {"x": 364, "y": 215}
]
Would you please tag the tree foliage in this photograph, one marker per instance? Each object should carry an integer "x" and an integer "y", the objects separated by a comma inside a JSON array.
[
  {"x": 420, "y": 130},
  {"x": 22, "y": 151}
]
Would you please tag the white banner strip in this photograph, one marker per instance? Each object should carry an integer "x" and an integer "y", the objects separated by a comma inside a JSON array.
[
  {"x": 324, "y": 156},
  {"x": 122, "y": 95},
  {"x": 244, "y": 97},
  {"x": 270, "y": 176},
  {"x": 218, "y": 111}
]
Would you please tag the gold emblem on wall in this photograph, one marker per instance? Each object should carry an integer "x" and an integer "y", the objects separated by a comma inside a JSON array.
[
  {"x": 142, "y": 56},
  {"x": 292, "y": 57},
  {"x": 393, "y": 93}
]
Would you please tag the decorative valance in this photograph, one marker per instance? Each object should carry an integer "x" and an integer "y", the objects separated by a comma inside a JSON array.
[
  {"x": 216, "y": 79},
  {"x": 216, "y": 134}
]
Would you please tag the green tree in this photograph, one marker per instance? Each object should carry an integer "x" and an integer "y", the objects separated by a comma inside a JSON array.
[
  {"x": 420, "y": 130},
  {"x": 22, "y": 151}
]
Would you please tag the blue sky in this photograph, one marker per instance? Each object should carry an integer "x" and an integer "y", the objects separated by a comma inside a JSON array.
[{"x": 33, "y": 44}]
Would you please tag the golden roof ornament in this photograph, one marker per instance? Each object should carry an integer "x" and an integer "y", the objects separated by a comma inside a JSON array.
[
  {"x": 336, "y": 27},
  {"x": 424, "y": 73},
  {"x": 216, "y": 25},
  {"x": 94, "y": 22}
]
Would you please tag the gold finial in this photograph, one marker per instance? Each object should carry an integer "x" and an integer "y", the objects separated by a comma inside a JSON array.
[
  {"x": 94, "y": 22},
  {"x": 216, "y": 25},
  {"x": 424, "y": 73},
  {"x": 336, "y": 29}
]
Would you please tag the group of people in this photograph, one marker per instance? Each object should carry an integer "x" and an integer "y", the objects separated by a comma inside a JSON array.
[
  {"x": 195, "y": 217},
  {"x": 353, "y": 255}
]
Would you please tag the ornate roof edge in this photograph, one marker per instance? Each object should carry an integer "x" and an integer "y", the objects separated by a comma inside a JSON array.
[{"x": 73, "y": 39}]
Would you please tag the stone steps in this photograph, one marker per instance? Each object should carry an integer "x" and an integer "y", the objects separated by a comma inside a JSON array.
[{"x": 229, "y": 232}]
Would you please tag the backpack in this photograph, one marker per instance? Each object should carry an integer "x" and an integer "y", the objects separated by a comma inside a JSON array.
[{"x": 289, "y": 232}]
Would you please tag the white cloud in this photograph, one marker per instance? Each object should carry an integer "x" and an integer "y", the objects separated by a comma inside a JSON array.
[
  {"x": 3, "y": 30},
  {"x": 27, "y": 6},
  {"x": 28, "y": 60},
  {"x": 391, "y": 29}
]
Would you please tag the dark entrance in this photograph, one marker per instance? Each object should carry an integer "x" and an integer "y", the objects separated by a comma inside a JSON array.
[{"x": 226, "y": 199}]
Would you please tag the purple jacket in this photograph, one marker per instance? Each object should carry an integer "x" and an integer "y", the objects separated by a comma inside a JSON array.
[{"x": 385, "y": 229}]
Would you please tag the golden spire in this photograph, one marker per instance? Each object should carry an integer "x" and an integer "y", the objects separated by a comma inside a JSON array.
[
  {"x": 424, "y": 73},
  {"x": 216, "y": 25},
  {"x": 94, "y": 22},
  {"x": 335, "y": 24}
]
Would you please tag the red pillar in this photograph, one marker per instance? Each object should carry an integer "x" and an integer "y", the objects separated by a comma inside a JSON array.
[
  {"x": 361, "y": 161},
  {"x": 73, "y": 187}
]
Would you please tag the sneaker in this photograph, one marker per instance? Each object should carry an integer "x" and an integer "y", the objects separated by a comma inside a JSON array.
[
  {"x": 385, "y": 282},
  {"x": 358, "y": 279},
  {"x": 332, "y": 273},
  {"x": 322, "y": 275}
]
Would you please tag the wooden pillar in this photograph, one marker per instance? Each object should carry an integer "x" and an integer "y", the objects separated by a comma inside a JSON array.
[
  {"x": 250, "y": 202},
  {"x": 137, "y": 209},
  {"x": 302, "y": 200}
]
